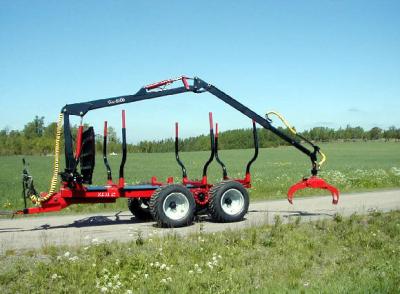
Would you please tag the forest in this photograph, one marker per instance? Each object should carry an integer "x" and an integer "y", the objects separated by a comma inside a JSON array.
[{"x": 36, "y": 138}]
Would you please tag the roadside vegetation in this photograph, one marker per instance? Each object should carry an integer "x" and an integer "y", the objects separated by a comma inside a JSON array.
[{"x": 360, "y": 254}]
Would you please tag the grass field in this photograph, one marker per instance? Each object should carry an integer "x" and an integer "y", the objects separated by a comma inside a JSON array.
[
  {"x": 351, "y": 166},
  {"x": 360, "y": 254}
]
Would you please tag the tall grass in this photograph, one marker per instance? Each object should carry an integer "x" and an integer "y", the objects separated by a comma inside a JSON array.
[{"x": 360, "y": 254}]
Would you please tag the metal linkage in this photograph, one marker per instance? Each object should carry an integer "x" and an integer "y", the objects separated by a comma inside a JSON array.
[
  {"x": 224, "y": 171},
  {"x": 108, "y": 168},
  {"x": 255, "y": 140},
  {"x": 184, "y": 173},
  {"x": 124, "y": 151},
  {"x": 211, "y": 145}
]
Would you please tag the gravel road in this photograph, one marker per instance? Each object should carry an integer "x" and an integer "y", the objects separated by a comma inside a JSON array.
[{"x": 26, "y": 232}]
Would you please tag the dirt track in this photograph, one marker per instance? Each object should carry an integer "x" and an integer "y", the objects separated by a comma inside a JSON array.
[{"x": 34, "y": 232}]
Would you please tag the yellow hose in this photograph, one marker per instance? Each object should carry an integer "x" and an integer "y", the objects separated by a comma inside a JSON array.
[
  {"x": 285, "y": 122},
  {"x": 293, "y": 131},
  {"x": 54, "y": 180}
]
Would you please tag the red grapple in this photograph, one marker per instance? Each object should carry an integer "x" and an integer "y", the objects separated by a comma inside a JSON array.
[{"x": 313, "y": 182}]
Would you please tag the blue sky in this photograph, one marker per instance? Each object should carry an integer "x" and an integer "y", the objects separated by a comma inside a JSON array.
[{"x": 328, "y": 63}]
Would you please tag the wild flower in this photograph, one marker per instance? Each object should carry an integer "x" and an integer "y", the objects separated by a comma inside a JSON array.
[
  {"x": 163, "y": 281},
  {"x": 117, "y": 261},
  {"x": 190, "y": 272},
  {"x": 67, "y": 254},
  {"x": 73, "y": 259},
  {"x": 103, "y": 289},
  {"x": 54, "y": 276},
  {"x": 129, "y": 292},
  {"x": 146, "y": 276},
  {"x": 163, "y": 266}
]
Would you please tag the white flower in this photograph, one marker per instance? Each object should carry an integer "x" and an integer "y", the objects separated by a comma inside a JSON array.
[
  {"x": 196, "y": 265},
  {"x": 109, "y": 284},
  {"x": 129, "y": 292},
  {"x": 54, "y": 276},
  {"x": 167, "y": 268},
  {"x": 151, "y": 264},
  {"x": 103, "y": 289},
  {"x": 93, "y": 265},
  {"x": 163, "y": 281},
  {"x": 190, "y": 272},
  {"x": 169, "y": 279},
  {"x": 74, "y": 258},
  {"x": 86, "y": 248},
  {"x": 59, "y": 257},
  {"x": 117, "y": 261},
  {"x": 163, "y": 266},
  {"x": 67, "y": 254},
  {"x": 146, "y": 276}
]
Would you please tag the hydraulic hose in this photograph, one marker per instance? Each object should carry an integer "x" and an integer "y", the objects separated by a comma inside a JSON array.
[
  {"x": 294, "y": 132},
  {"x": 54, "y": 180}
]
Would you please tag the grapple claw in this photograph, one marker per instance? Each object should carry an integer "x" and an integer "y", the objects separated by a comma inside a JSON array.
[{"x": 313, "y": 182}]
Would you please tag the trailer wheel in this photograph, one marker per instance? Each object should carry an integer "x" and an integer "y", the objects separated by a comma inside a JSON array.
[
  {"x": 229, "y": 202},
  {"x": 139, "y": 208},
  {"x": 172, "y": 206}
]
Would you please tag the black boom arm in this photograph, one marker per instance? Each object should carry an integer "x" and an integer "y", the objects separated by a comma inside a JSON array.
[{"x": 158, "y": 90}]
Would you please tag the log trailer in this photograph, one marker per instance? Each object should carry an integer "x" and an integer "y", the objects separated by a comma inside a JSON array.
[{"x": 169, "y": 204}]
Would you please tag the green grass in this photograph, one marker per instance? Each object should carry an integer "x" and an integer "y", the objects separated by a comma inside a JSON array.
[
  {"x": 360, "y": 254},
  {"x": 351, "y": 166}
]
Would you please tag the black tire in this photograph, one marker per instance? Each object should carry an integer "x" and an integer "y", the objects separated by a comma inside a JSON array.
[
  {"x": 229, "y": 202},
  {"x": 139, "y": 208},
  {"x": 165, "y": 204}
]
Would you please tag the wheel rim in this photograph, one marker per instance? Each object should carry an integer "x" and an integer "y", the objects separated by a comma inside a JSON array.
[
  {"x": 232, "y": 202},
  {"x": 176, "y": 206}
]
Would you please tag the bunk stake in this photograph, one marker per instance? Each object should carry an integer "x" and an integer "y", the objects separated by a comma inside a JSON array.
[{"x": 122, "y": 165}]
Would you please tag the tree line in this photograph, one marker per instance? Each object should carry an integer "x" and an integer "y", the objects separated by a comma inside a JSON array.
[{"x": 38, "y": 139}]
